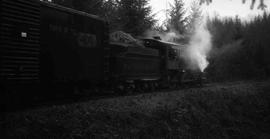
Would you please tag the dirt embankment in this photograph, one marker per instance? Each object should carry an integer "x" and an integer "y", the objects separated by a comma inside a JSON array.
[{"x": 228, "y": 110}]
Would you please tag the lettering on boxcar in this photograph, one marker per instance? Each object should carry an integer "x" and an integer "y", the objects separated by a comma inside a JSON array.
[
  {"x": 83, "y": 39},
  {"x": 86, "y": 40}
]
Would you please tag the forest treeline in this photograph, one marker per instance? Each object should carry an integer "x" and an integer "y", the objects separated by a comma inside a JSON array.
[{"x": 241, "y": 50}]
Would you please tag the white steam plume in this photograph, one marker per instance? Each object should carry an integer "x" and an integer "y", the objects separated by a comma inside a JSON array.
[{"x": 198, "y": 48}]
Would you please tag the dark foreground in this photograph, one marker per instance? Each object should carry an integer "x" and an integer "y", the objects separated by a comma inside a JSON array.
[{"x": 228, "y": 110}]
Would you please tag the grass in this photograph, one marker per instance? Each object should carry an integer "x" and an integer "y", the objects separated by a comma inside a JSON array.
[{"x": 234, "y": 110}]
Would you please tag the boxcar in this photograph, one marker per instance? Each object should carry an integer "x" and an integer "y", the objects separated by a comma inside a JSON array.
[
  {"x": 46, "y": 44},
  {"x": 73, "y": 45}
]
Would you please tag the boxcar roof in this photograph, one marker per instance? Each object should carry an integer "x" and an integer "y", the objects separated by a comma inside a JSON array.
[{"x": 70, "y": 10}]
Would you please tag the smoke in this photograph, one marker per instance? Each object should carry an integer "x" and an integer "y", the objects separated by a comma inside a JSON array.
[{"x": 198, "y": 48}]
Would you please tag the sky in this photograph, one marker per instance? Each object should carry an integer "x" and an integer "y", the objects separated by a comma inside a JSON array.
[{"x": 222, "y": 8}]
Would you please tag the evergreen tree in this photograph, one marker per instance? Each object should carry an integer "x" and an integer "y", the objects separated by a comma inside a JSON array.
[
  {"x": 110, "y": 13},
  {"x": 241, "y": 50},
  {"x": 135, "y": 16},
  {"x": 177, "y": 19},
  {"x": 195, "y": 17}
]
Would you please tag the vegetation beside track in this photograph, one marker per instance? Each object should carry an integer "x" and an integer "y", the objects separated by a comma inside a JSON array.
[{"x": 225, "y": 110}]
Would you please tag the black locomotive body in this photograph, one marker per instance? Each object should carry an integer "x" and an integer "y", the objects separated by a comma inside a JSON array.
[
  {"x": 172, "y": 65},
  {"x": 133, "y": 67},
  {"x": 44, "y": 45},
  {"x": 132, "y": 63}
]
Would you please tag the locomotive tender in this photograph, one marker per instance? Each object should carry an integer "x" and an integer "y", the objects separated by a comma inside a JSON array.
[{"x": 44, "y": 45}]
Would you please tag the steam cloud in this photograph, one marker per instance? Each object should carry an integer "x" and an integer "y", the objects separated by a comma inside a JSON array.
[{"x": 198, "y": 48}]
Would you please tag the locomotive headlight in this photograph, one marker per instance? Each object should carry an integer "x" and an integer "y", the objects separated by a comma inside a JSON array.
[{"x": 24, "y": 34}]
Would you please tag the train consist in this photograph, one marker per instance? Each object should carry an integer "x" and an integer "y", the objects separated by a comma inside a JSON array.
[{"x": 45, "y": 46}]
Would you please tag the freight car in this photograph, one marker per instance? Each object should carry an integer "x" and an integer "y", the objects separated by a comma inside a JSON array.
[{"x": 44, "y": 46}]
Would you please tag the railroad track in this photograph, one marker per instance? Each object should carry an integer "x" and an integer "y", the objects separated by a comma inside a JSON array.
[{"x": 35, "y": 103}]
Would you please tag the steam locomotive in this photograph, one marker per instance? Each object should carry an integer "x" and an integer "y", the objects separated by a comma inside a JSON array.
[{"x": 45, "y": 46}]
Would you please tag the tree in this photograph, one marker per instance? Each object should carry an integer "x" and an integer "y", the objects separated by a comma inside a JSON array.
[
  {"x": 135, "y": 16},
  {"x": 241, "y": 50},
  {"x": 110, "y": 13},
  {"x": 195, "y": 17},
  {"x": 177, "y": 18}
]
